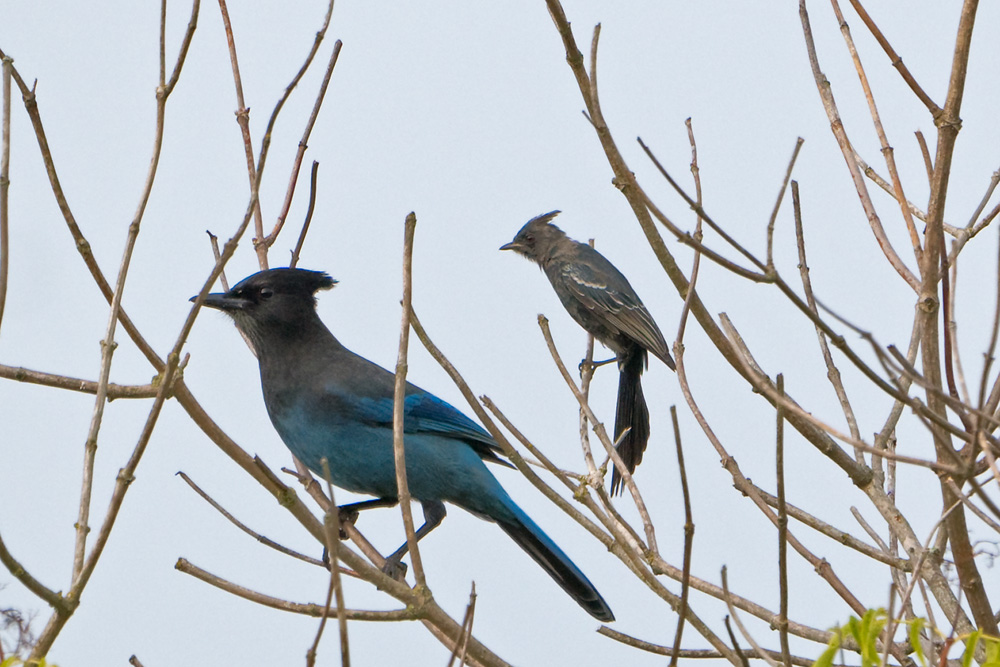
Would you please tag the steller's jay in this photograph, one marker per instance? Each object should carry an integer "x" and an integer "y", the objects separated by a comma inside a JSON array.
[
  {"x": 600, "y": 299},
  {"x": 326, "y": 401}
]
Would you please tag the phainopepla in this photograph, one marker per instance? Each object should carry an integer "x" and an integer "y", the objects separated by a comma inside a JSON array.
[
  {"x": 326, "y": 401},
  {"x": 601, "y": 301}
]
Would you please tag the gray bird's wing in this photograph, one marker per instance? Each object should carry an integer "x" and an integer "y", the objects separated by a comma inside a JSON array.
[{"x": 602, "y": 289}]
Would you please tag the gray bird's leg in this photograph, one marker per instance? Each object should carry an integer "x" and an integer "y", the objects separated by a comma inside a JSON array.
[
  {"x": 434, "y": 513},
  {"x": 595, "y": 364}
]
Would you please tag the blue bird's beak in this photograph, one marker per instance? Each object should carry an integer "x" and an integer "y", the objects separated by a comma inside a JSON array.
[{"x": 223, "y": 301}]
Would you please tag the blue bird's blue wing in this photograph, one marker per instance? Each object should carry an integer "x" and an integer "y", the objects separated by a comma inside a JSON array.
[{"x": 426, "y": 413}]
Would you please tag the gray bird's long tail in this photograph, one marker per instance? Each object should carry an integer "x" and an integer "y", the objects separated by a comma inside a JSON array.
[
  {"x": 631, "y": 412},
  {"x": 544, "y": 551}
]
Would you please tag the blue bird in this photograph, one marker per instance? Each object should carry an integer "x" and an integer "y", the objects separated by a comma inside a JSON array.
[{"x": 326, "y": 401}]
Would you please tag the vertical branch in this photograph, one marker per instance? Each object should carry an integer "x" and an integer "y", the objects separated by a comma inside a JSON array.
[
  {"x": 782, "y": 526},
  {"x": 832, "y": 372},
  {"x": 399, "y": 402},
  {"x": 108, "y": 345},
  {"x": 303, "y": 144},
  {"x": 678, "y": 354},
  {"x": 929, "y": 311},
  {"x": 777, "y": 205},
  {"x": 214, "y": 242},
  {"x": 887, "y": 151},
  {"x": 586, "y": 375},
  {"x": 837, "y": 127},
  {"x": 4, "y": 185},
  {"x": 243, "y": 120},
  {"x": 688, "y": 540},
  {"x": 309, "y": 216},
  {"x": 331, "y": 529}
]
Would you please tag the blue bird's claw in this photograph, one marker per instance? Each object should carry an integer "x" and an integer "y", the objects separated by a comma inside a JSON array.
[
  {"x": 395, "y": 568},
  {"x": 346, "y": 515}
]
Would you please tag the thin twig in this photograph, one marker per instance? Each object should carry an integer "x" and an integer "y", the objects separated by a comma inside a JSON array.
[
  {"x": 926, "y": 153},
  {"x": 331, "y": 524},
  {"x": 688, "y": 538},
  {"x": 7, "y": 63},
  {"x": 303, "y": 144},
  {"x": 782, "y": 527},
  {"x": 887, "y": 151},
  {"x": 470, "y": 613},
  {"x": 692, "y": 654},
  {"x": 266, "y": 541},
  {"x": 777, "y": 204},
  {"x": 508, "y": 449},
  {"x": 886, "y": 186},
  {"x": 679, "y": 351},
  {"x": 54, "y": 599},
  {"x": 114, "y": 391},
  {"x": 243, "y": 120},
  {"x": 108, "y": 345},
  {"x": 739, "y": 624},
  {"x": 832, "y": 372},
  {"x": 214, "y": 241},
  {"x": 309, "y": 215},
  {"x": 837, "y": 126},
  {"x": 895, "y": 60},
  {"x": 307, "y": 609},
  {"x": 399, "y": 396},
  {"x": 647, "y": 523},
  {"x": 587, "y": 369}
]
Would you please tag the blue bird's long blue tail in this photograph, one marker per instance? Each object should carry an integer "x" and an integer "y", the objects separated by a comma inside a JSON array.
[{"x": 544, "y": 551}]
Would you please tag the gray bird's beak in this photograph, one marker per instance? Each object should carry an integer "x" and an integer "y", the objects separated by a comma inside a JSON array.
[{"x": 510, "y": 246}]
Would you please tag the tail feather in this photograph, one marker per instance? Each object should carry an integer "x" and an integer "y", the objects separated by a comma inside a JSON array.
[
  {"x": 631, "y": 412},
  {"x": 544, "y": 551}
]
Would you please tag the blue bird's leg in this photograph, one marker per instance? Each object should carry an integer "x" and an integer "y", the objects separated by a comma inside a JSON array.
[
  {"x": 349, "y": 513},
  {"x": 434, "y": 513}
]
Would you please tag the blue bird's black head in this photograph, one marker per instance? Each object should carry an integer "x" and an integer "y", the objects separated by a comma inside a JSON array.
[{"x": 272, "y": 304}]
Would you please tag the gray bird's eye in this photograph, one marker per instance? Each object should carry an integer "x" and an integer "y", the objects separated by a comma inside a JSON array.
[{"x": 266, "y": 292}]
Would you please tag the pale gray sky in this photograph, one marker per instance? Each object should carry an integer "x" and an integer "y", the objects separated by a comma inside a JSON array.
[{"x": 467, "y": 114}]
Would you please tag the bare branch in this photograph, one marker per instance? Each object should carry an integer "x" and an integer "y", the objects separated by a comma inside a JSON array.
[
  {"x": 837, "y": 126},
  {"x": 398, "y": 404}
]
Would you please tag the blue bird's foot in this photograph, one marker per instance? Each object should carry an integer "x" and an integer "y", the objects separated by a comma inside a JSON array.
[
  {"x": 434, "y": 513},
  {"x": 345, "y": 516},
  {"x": 395, "y": 567}
]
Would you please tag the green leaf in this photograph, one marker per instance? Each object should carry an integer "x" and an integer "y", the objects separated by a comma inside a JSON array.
[
  {"x": 992, "y": 646},
  {"x": 970, "y": 648},
  {"x": 826, "y": 658},
  {"x": 916, "y": 626}
]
